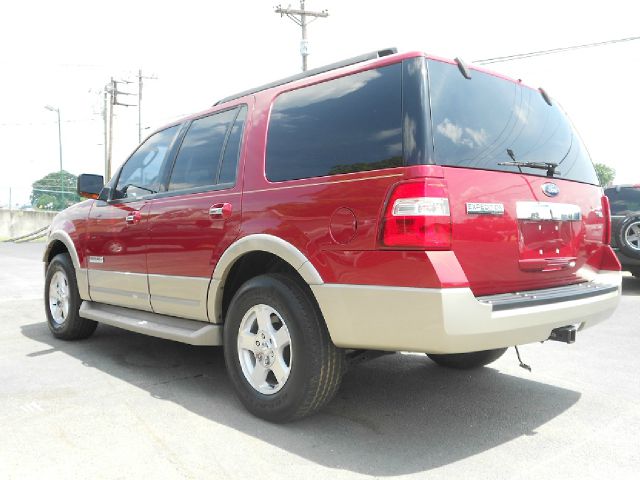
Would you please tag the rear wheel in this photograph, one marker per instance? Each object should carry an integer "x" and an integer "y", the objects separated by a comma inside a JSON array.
[
  {"x": 278, "y": 352},
  {"x": 62, "y": 301},
  {"x": 467, "y": 361}
]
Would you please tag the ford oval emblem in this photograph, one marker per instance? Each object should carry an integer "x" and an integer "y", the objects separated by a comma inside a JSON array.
[{"x": 550, "y": 189}]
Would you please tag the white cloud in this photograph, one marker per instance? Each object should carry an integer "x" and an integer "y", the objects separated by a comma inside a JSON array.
[
  {"x": 450, "y": 130},
  {"x": 462, "y": 136}
]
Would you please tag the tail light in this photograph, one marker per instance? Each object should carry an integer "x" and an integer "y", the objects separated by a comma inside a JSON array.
[
  {"x": 606, "y": 213},
  {"x": 417, "y": 216}
]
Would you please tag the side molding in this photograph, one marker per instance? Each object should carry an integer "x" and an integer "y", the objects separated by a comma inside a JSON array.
[
  {"x": 81, "y": 273},
  {"x": 256, "y": 243}
]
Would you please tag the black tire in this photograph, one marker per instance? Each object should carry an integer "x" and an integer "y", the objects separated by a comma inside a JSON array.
[
  {"x": 629, "y": 246},
  {"x": 71, "y": 326},
  {"x": 467, "y": 361},
  {"x": 316, "y": 365}
]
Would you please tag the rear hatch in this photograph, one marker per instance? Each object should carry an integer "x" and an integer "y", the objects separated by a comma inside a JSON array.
[{"x": 526, "y": 208}]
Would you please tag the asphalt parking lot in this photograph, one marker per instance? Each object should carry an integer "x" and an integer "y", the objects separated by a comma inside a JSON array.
[{"x": 122, "y": 405}]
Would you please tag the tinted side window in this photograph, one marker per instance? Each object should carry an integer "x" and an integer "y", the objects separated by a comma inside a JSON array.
[
  {"x": 141, "y": 175},
  {"x": 232, "y": 150},
  {"x": 199, "y": 157},
  {"x": 349, "y": 124},
  {"x": 623, "y": 200}
]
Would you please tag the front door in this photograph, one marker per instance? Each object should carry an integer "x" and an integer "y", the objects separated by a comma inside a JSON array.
[
  {"x": 116, "y": 254},
  {"x": 117, "y": 228}
]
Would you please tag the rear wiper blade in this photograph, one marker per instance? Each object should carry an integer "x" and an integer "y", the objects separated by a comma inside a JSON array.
[{"x": 550, "y": 167}]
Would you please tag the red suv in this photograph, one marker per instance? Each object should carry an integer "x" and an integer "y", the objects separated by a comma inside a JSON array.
[{"x": 389, "y": 202}]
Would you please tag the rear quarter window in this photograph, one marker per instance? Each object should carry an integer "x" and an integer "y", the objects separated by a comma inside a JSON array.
[{"x": 350, "y": 124}]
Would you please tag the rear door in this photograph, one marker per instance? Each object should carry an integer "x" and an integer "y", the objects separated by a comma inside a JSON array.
[
  {"x": 514, "y": 227},
  {"x": 118, "y": 229},
  {"x": 192, "y": 224}
]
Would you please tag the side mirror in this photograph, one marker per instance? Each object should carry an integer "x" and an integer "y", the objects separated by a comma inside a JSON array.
[{"x": 90, "y": 186}]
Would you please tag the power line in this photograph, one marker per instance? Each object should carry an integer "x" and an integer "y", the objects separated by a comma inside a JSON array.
[
  {"x": 519, "y": 56},
  {"x": 43, "y": 123}
]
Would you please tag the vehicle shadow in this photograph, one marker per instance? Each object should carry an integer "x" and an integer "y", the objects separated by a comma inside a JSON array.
[
  {"x": 399, "y": 414},
  {"x": 630, "y": 286}
]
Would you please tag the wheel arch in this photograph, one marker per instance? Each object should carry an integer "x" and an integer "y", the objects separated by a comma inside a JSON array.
[
  {"x": 250, "y": 256},
  {"x": 60, "y": 242}
]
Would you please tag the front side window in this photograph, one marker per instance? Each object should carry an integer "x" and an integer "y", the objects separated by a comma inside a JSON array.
[
  {"x": 350, "y": 124},
  {"x": 198, "y": 161},
  {"x": 487, "y": 121},
  {"x": 141, "y": 175}
]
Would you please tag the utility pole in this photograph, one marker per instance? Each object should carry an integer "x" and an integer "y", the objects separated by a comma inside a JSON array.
[
  {"x": 139, "y": 105},
  {"x": 113, "y": 92},
  {"x": 300, "y": 18},
  {"x": 57, "y": 110},
  {"x": 107, "y": 166},
  {"x": 140, "y": 78},
  {"x": 105, "y": 118}
]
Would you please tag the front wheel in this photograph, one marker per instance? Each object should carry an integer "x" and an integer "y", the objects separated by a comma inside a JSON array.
[
  {"x": 62, "y": 301},
  {"x": 467, "y": 361},
  {"x": 277, "y": 349}
]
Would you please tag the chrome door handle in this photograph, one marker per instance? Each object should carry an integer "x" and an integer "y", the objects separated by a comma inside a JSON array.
[
  {"x": 133, "y": 218},
  {"x": 220, "y": 210}
]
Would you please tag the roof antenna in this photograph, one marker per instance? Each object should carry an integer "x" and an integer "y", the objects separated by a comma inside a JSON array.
[
  {"x": 546, "y": 96},
  {"x": 463, "y": 68}
]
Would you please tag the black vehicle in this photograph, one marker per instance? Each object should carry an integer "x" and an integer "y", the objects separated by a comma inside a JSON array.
[{"x": 625, "y": 225}]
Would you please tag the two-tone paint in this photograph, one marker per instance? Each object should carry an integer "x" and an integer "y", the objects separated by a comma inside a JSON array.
[{"x": 169, "y": 255}]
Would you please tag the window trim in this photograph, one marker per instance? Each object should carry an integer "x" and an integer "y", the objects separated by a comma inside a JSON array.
[{"x": 412, "y": 90}]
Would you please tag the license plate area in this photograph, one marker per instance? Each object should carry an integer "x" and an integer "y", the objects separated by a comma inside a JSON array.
[{"x": 547, "y": 235}]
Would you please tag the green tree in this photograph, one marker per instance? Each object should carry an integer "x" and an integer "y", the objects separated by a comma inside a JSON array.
[
  {"x": 47, "y": 193},
  {"x": 605, "y": 174}
]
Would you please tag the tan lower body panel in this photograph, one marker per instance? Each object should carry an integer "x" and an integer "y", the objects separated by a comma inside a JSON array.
[
  {"x": 119, "y": 288},
  {"x": 184, "y": 297},
  {"x": 82, "y": 278},
  {"x": 446, "y": 320}
]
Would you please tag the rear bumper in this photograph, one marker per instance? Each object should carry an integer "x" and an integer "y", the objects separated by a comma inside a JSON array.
[{"x": 452, "y": 320}]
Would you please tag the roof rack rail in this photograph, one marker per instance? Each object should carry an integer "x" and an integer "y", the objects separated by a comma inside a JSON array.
[{"x": 309, "y": 73}]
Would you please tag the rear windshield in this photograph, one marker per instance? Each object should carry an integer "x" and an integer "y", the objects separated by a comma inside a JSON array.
[{"x": 482, "y": 122}]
